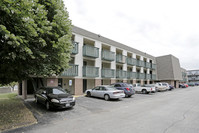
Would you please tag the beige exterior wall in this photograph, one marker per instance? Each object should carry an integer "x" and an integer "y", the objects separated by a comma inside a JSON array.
[
  {"x": 97, "y": 82},
  {"x": 90, "y": 83},
  {"x": 106, "y": 81},
  {"x": 65, "y": 85},
  {"x": 113, "y": 81},
  {"x": 78, "y": 86}
]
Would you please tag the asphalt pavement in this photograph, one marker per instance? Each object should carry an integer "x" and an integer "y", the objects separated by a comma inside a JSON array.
[{"x": 174, "y": 111}]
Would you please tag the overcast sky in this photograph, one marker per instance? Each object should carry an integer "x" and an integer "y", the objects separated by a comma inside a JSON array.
[{"x": 157, "y": 27}]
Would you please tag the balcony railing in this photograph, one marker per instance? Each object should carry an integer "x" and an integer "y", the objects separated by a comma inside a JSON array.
[
  {"x": 90, "y": 51},
  {"x": 75, "y": 47},
  {"x": 147, "y": 64},
  {"x": 140, "y": 63},
  {"x": 147, "y": 76},
  {"x": 71, "y": 72},
  {"x": 131, "y": 61},
  {"x": 90, "y": 71},
  {"x": 131, "y": 75},
  {"x": 121, "y": 74},
  {"x": 153, "y": 66},
  {"x": 120, "y": 58},
  {"x": 108, "y": 73},
  {"x": 108, "y": 55},
  {"x": 140, "y": 75}
]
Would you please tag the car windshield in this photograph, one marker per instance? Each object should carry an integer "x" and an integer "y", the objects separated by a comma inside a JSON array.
[
  {"x": 56, "y": 91},
  {"x": 110, "y": 88}
]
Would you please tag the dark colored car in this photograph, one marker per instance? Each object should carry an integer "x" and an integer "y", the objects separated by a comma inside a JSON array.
[
  {"x": 54, "y": 97},
  {"x": 182, "y": 86},
  {"x": 128, "y": 90},
  {"x": 171, "y": 87}
]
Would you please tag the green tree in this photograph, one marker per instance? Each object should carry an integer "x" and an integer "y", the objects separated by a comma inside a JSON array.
[{"x": 35, "y": 39}]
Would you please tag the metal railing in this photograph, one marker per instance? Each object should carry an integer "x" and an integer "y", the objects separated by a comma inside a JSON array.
[
  {"x": 131, "y": 61},
  {"x": 120, "y": 58},
  {"x": 121, "y": 74},
  {"x": 90, "y": 51},
  {"x": 70, "y": 72},
  {"x": 108, "y": 73},
  {"x": 90, "y": 71},
  {"x": 131, "y": 75},
  {"x": 108, "y": 55},
  {"x": 75, "y": 47}
]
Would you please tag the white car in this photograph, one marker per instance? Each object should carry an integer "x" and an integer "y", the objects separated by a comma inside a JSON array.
[
  {"x": 160, "y": 87},
  {"x": 166, "y": 85},
  {"x": 105, "y": 91},
  {"x": 152, "y": 86}
]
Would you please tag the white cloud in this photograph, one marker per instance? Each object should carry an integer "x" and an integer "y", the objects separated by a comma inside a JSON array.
[{"x": 157, "y": 27}]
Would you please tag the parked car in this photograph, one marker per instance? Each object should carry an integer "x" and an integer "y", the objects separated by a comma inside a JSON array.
[
  {"x": 128, "y": 91},
  {"x": 182, "y": 86},
  {"x": 196, "y": 84},
  {"x": 191, "y": 84},
  {"x": 186, "y": 85},
  {"x": 171, "y": 87},
  {"x": 105, "y": 91},
  {"x": 143, "y": 89},
  {"x": 153, "y": 88},
  {"x": 54, "y": 97},
  {"x": 160, "y": 87},
  {"x": 166, "y": 85}
]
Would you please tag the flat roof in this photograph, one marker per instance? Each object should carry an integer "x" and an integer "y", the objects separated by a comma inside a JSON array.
[{"x": 105, "y": 40}]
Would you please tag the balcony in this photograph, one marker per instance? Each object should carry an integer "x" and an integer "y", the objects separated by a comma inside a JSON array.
[
  {"x": 90, "y": 51},
  {"x": 108, "y": 73},
  {"x": 71, "y": 72},
  {"x": 121, "y": 74},
  {"x": 131, "y": 75},
  {"x": 120, "y": 58},
  {"x": 75, "y": 47},
  {"x": 131, "y": 61},
  {"x": 147, "y": 64},
  {"x": 140, "y": 63},
  {"x": 148, "y": 76},
  {"x": 140, "y": 75},
  {"x": 153, "y": 66},
  {"x": 108, "y": 55},
  {"x": 90, "y": 71}
]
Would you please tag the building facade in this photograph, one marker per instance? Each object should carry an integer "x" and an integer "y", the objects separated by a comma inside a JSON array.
[
  {"x": 184, "y": 76},
  {"x": 193, "y": 75},
  {"x": 169, "y": 70},
  {"x": 97, "y": 60}
]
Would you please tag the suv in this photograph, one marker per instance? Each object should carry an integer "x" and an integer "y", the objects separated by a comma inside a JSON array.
[{"x": 128, "y": 90}]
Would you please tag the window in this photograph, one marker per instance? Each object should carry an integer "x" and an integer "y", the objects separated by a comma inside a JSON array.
[{"x": 117, "y": 85}]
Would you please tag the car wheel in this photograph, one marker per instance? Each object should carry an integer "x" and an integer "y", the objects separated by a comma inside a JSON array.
[
  {"x": 144, "y": 91},
  {"x": 129, "y": 95},
  {"x": 126, "y": 95},
  {"x": 88, "y": 94},
  {"x": 47, "y": 105},
  {"x": 106, "y": 97}
]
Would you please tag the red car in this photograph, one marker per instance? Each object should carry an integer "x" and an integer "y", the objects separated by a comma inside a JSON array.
[{"x": 186, "y": 85}]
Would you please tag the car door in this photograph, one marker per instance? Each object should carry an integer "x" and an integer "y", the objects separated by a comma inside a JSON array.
[
  {"x": 101, "y": 91},
  {"x": 95, "y": 91}
]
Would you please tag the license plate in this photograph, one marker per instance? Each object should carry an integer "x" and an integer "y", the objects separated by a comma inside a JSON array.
[{"x": 67, "y": 105}]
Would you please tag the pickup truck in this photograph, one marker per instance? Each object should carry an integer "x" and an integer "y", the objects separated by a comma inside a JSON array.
[{"x": 143, "y": 89}]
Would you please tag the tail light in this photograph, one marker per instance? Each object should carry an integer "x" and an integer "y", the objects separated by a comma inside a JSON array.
[
  {"x": 127, "y": 89},
  {"x": 151, "y": 89}
]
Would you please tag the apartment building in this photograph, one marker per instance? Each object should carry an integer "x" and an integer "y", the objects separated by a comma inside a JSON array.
[
  {"x": 169, "y": 70},
  {"x": 97, "y": 60},
  {"x": 184, "y": 76},
  {"x": 193, "y": 75}
]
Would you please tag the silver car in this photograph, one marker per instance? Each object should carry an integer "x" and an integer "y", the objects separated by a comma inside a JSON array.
[{"x": 105, "y": 91}]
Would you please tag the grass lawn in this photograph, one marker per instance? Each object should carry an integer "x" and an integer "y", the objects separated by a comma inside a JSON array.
[{"x": 13, "y": 113}]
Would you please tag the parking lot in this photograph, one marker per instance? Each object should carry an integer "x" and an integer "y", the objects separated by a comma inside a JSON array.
[{"x": 163, "y": 112}]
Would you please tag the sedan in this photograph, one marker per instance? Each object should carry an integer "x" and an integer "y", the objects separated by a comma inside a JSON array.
[
  {"x": 54, "y": 97},
  {"x": 105, "y": 91}
]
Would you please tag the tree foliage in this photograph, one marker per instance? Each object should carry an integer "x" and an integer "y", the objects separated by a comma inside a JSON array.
[{"x": 35, "y": 39}]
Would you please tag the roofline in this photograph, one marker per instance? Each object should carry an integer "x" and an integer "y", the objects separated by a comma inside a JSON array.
[{"x": 105, "y": 40}]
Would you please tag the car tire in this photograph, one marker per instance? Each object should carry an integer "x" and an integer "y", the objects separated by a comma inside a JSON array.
[
  {"x": 107, "y": 97},
  {"x": 144, "y": 91},
  {"x": 47, "y": 105},
  {"x": 129, "y": 95},
  {"x": 126, "y": 95},
  {"x": 88, "y": 94}
]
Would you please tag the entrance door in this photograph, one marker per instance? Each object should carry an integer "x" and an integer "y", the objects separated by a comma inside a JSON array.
[
  {"x": 175, "y": 84},
  {"x": 84, "y": 85}
]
